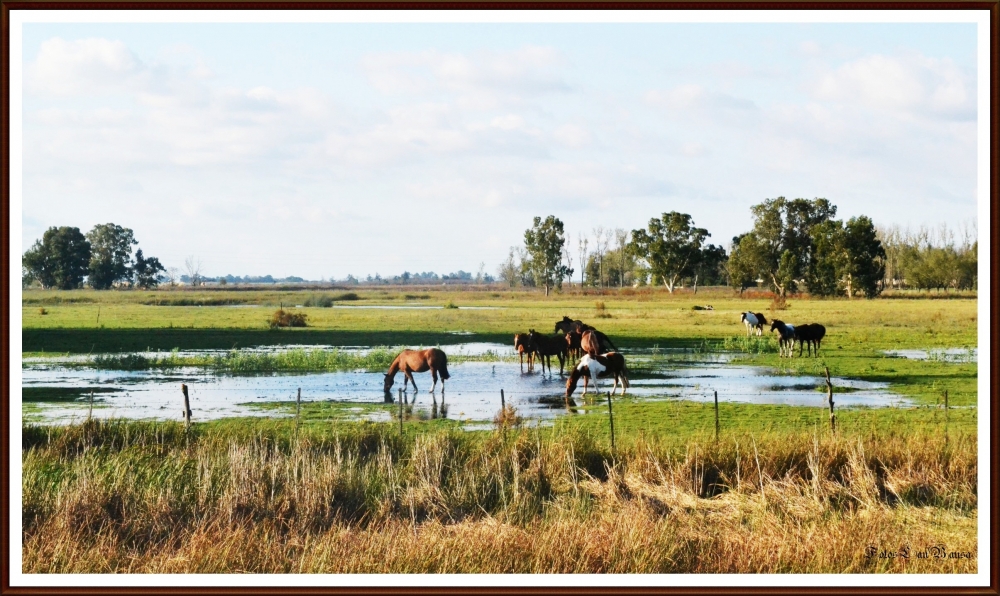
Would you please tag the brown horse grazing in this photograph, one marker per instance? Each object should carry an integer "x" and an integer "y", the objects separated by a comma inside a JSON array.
[
  {"x": 546, "y": 347},
  {"x": 411, "y": 361},
  {"x": 566, "y": 325},
  {"x": 594, "y": 342},
  {"x": 591, "y": 367},
  {"x": 525, "y": 347}
]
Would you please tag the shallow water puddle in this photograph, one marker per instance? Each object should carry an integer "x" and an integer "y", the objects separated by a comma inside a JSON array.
[
  {"x": 472, "y": 393},
  {"x": 959, "y": 355}
]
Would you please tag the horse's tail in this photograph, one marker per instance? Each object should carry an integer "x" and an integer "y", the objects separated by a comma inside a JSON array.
[{"x": 444, "y": 367}]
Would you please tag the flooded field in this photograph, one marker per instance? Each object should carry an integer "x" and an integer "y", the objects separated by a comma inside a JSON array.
[
  {"x": 958, "y": 355},
  {"x": 58, "y": 391}
]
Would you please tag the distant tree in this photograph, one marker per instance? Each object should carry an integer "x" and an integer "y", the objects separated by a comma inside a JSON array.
[
  {"x": 544, "y": 243},
  {"x": 671, "y": 247},
  {"x": 582, "y": 254},
  {"x": 823, "y": 276},
  {"x": 110, "y": 255},
  {"x": 193, "y": 267},
  {"x": 621, "y": 236},
  {"x": 742, "y": 264},
  {"x": 146, "y": 273},
  {"x": 508, "y": 271},
  {"x": 59, "y": 260},
  {"x": 864, "y": 265},
  {"x": 709, "y": 267},
  {"x": 780, "y": 245}
]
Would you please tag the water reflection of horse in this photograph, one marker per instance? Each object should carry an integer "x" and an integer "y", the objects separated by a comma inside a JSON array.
[
  {"x": 411, "y": 361},
  {"x": 592, "y": 367}
]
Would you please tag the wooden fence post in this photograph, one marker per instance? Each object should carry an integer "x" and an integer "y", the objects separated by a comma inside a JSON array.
[
  {"x": 829, "y": 396},
  {"x": 187, "y": 407},
  {"x": 716, "y": 415},
  {"x": 611, "y": 420},
  {"x": 503, "y": 404},
  {"x": 90, "y": 412}
]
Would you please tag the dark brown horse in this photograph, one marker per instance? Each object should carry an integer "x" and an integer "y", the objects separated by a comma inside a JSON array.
[
  {"x": 573, "y": 348},
  {"x": 411, "y": 361},
  {"x": 566, "y": 325},
  {"x": 605, "y": 365},
  {"x": 594, "y": 342},
  {"x": 546, "y": 347},
  {"x": 810, "y": 335},
  {"x": 525, "y": 347}
]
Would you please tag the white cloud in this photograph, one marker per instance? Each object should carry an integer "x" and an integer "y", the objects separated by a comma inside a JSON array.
[
  {"x": 911, "y": 82},
  {"x": 482, "y": 80},
  {"x": 83, "y": 66},
  {"x": 691, "y": 96},
  {"x": 572, "y": 135}
]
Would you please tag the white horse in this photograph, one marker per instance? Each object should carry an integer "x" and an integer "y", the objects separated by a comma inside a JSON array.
[{"x": 753, "y": 321}]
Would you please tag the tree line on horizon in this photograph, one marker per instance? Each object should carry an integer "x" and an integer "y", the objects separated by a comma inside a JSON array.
[
  {"x": 794, "y": 245},
  {"x": 63, "y": 258}
]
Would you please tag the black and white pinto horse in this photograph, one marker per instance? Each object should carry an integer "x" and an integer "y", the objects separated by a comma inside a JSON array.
[
  {"x": 810, "y": 334},
  {"x": 753, "y": 320},
  {"x": 786, "y": 337},
  {"x": 592, "y": 367}
]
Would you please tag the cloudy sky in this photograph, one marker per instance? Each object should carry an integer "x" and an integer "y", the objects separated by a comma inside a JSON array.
[{"x": 321, "y": 150}]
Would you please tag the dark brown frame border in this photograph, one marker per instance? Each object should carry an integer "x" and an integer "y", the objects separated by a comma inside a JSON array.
[{"x": 5, "y": 221}]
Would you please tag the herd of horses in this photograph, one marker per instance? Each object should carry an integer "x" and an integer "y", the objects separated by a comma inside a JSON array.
[
  {"x": 590, "y": 353},
  {"x": 808, "y": 335},
  {"x": 593, "y": 355}
]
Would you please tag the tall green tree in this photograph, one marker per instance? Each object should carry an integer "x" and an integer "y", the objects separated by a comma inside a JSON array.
[
  {"x": 59, "y": 260},
  {"x": 671, "y": 246},
  {"x": 146, "y": 272},
  {"x": 864, "y": 263},
  {"x": 710, "y": 266},
  {"x": 780, "y": 245},
  {"x": 826, "y": 268},
  {"x": 110, "y": 256},
  {"x": 742, "y": 263},
  {"x": 544, "y": 242}
]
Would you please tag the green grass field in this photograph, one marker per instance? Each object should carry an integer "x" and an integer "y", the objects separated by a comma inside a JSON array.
[{"x": 777, "y": 491}]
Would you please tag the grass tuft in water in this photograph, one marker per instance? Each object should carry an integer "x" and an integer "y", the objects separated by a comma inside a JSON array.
[{"x": 750, "y": 345}]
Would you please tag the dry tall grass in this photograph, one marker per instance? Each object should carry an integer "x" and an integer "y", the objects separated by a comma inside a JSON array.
[{"x": 136, "y": 497}]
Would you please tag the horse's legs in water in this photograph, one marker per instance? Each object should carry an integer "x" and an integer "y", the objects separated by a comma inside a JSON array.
[
  {"x": 434, "y": 375},
  {"x": 409, "y": 376}
]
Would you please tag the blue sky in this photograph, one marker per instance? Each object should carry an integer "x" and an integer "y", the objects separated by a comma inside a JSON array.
[{"x": 321, "y": 150}]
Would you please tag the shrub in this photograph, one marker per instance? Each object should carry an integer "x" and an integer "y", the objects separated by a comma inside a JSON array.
[
  {"x": 283, "y": 318},
  {"x": 602, "y": 312}
]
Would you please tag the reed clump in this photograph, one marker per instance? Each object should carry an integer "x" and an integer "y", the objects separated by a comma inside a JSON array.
[
  {"x": 284, "y": 318},
  {"x": 116, "y": 496},
  {"x": 752, "y": 344}
]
